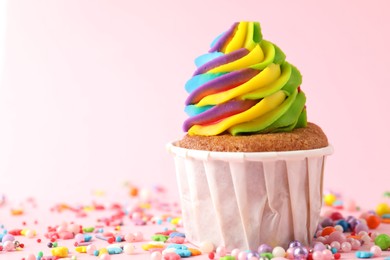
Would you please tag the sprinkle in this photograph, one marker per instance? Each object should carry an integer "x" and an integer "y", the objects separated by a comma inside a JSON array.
[
  {"x": 60, "y": 252},
  {"x": 363, "y": 254}
]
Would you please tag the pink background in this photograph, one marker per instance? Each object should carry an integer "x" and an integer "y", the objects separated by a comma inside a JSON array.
[{"x": 92, "y": 92}]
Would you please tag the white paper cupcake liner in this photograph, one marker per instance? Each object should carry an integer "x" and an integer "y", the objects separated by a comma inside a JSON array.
[{"x": 242, "y": 200}]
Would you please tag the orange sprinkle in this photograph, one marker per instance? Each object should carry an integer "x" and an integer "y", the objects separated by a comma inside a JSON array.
[
  {"x": 327, "y": 231},
  {"x": 373, "y": 221},
  {"x": 386, "y": 220},
  {"x": 194, "y": 251},
  {"x": 354, "y": 237},
  {"x": 17, "y": 212}
]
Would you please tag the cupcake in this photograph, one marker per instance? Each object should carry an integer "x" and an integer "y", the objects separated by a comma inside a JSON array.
[{"x": 250, "y": 167}]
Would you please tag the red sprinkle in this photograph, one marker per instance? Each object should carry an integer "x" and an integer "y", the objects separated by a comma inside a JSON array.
[
  {"x": 211, "y": 255},
  {"x": 39, "y": 240},
  {"x": 111, "y": 240},
  {"x": 337, "y": 256}
]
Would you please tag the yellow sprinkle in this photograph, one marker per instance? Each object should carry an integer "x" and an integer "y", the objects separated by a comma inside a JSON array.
[
  {"x": 89, "y": 208},
  {"x": 145, "y": 205},
  {"x": 81, "y": 249},
  {"x": 329, "y": 199},
  {"x": 175, "y": 221},
  {"x": 149, "y": 246},
  {"x": 60, "y": 251},
  {"x": 103, "y": 251}
]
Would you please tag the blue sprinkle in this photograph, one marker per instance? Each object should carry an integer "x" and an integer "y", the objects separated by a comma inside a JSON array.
[
  {"x": 96, "y": 252},
  {"x": 159, "y": 221},
  {"x": 183, "y": 252},
  {"x": 177, "y": 234},
  {"x": 87, "y": 238},
  {"x": 178, "y": 246},
  {"x": 118, "y": 239},
  {"x": 364, "y": 254},
  {"x": 114, "y": 250},
  {"x": 334, "y": 250},
  {"x": 344, "y": 224}
]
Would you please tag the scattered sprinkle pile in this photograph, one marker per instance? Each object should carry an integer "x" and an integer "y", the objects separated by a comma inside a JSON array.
[{"x": 117, "y": 231}]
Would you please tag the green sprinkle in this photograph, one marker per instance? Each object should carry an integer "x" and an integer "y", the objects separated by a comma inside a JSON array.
[
  {"x": 383, "y": 241},
  {"x": 160, "y": 238},
  {"x": 228, "y": 257},
  {"x": 88, "y": 229},
  {"x": 268, "y": 255}
]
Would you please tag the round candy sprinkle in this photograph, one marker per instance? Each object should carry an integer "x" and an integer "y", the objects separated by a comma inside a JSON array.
[
  {"x": 327, "y": 254},
  {"x": 235, "y": 252},
  {"x": 294, "y": 243},
  {"x": 382, "y": 209},
  {"x": 264, "y": 248},
  {"x": 300, "y": 252},
  {"x": 383, "y": 241},
  {"x": 242, "y": 256},
  {"x": 278, "y": 251},
  {"x": 376, "y": 250},
  {"x": 156, "y": 256},
  {"x": 336, "y": 245},
  {"x": 8, "y": 245},
  {"x": 327, "y": 231},
  {"x": 329, "y": 199},
  {"x": 206, "y": 247},
  {"x": 317, "y": 255},
  {"x": 7, "y": 237},
  {"x": 326, "y": 222},
  {"x": 31, "y": 257},
  {"x": 373, "y": 221},
  {"x": 128, "y": 249},
  {"x": 336, "y": 216},
  {"x": 318, "y": 246},
  {"x": 346, "y": 247},
  {"x": 361, "y": 227}
]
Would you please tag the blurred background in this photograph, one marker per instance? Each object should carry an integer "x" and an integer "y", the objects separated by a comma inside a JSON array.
[{"x": 91, "y": 92}]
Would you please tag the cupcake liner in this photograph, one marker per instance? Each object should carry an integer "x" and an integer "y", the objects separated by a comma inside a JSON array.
[{"x": 242, "y": 200}]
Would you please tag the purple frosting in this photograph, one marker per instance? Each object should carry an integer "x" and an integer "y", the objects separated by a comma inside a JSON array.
[
  {"x": 227, "y": 58},
  {"x": 221, "y": 41},
  {"x": 219, "y": 112},
  {"x": 221, "y": 83}
]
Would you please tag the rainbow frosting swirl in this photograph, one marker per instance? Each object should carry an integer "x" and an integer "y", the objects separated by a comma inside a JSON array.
[{"x": 244, "y": 86}]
